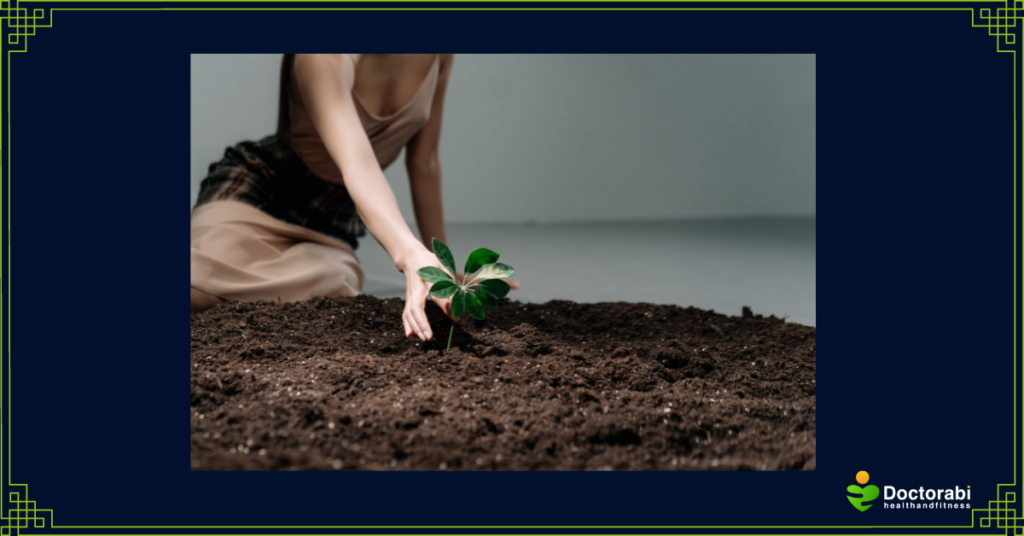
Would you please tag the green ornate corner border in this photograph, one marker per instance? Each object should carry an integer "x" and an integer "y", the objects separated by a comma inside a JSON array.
[
  {"x": 1003, "y": 513},
  {"x": 1003, "y": 24},
  {"x": 19, "y": 513},
  {"x": 19, "y": 24}
]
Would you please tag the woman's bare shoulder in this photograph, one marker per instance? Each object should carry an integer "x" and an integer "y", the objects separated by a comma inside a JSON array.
[
  {"x": 310, "y": 67},
  {"x": 322, "y": 60}
]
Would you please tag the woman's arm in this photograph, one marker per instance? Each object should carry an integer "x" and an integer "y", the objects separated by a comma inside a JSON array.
[
  {"x": 423, "y": 163},
  {"x": 325, "y": 83}
]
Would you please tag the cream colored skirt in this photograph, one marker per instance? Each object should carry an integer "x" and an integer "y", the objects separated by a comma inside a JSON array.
[{"x": 241, "y": 253}]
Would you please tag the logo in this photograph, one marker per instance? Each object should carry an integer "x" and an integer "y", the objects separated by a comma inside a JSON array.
[
  {"x": 866, "y": 494},
  {"x": 895, "y": 498}
]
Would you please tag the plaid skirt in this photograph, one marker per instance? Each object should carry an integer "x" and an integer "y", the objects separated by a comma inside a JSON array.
[
  {"x": 261, "y": 174},
  {"x": 242, "y": 253}
]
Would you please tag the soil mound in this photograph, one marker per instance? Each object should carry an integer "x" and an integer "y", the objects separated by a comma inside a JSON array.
[{"x": 332, "y": 383}]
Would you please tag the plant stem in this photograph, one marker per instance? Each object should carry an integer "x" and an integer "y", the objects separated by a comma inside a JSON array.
[{"x": 450, "y": 338}]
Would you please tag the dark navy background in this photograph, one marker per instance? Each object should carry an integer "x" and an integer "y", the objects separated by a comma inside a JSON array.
[{"x": 915, "y": 203}]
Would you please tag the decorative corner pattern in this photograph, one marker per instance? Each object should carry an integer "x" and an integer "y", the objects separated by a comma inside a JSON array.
[
  {"x": 1002, "y": 513},
  {"x": 1002, "y": 24},
  {"x": 21, "y": 513},
  {"x": 20, "y": 23}
]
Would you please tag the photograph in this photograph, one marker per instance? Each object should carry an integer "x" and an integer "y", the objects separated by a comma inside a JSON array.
[
  {"x": 614, "y": 269},
  {"x": 537, "y": 268}
]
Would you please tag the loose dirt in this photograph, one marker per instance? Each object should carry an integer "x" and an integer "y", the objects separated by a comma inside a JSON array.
[{"x": 333, "y": 383}]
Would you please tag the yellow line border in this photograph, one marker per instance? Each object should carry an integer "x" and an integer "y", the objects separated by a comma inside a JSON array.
[{"x": 5, "y": 374}]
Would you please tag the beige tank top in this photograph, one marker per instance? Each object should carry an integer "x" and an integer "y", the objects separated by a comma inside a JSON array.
[{"x": 387, "y": 134}]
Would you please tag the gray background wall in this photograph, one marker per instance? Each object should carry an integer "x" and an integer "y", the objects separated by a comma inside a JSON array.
[{"x": 572, "y": 138}]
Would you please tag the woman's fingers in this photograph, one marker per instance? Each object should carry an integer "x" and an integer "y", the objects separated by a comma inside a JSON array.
[
  {"x": 415, "y": 303},
  {"x": 514, "y": 285},
  {"x": 408, "y": 318},
  {"x": 418, "y": 324},
  {"x": 417, "y": 291},
  {"x": 410, "y": 324},
  {"x": 420, "y": 316}
]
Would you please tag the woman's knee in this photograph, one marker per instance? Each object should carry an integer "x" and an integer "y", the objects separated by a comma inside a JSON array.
[{"x": 202, "y": 301}]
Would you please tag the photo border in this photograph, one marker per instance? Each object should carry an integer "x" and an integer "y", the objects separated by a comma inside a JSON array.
[{"x": 19, "y": 513}]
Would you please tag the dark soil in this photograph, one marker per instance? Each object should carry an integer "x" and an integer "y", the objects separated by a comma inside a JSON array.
[{"x": 334, "y": 384}]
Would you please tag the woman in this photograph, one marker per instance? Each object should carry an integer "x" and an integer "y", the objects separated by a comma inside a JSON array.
[{"x": 279, "y": 219}]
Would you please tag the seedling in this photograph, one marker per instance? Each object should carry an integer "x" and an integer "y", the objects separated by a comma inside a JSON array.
[{"x": 478, "y": 289}]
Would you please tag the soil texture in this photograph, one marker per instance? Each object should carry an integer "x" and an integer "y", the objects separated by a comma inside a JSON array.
[{"x": 333, "y": 383}]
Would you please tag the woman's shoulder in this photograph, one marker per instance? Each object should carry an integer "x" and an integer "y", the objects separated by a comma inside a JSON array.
[
  {"x": 309, "y": 67},
  {"x": 326, "y": 60}
]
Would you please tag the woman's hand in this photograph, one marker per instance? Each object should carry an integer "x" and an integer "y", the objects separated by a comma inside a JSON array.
[
  {"x": 325, "y": 84},
  {"x": 414, "y": 318}
]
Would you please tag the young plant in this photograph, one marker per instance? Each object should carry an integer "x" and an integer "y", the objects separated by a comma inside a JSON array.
[{"x": 478, "y": 289}]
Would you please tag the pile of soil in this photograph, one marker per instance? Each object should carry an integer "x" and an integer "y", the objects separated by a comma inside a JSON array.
[{"x": 333, "y": 383}]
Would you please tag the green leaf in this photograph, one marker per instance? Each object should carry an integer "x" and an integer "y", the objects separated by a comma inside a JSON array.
[
  {"x": 487, "y": 300},
  {"x": 444, "y": 255},
  {"x": 443, "y": 289},
  {"x": 459, "y": 303},
  {"x": 478, "y": 258},
  {"x": 474, "y": 306},
  {"x": 432, "y": 274},
  {"x": 495, "y": 287},
  {"x": 494, "y": 271}
]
